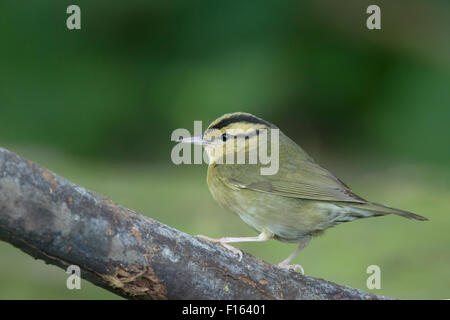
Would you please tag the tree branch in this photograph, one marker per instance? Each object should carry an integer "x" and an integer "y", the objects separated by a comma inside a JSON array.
[{"x": 131, "y": 255}]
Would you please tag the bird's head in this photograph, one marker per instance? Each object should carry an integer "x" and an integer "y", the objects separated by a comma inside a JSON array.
[{"x": 230, "y": 134}]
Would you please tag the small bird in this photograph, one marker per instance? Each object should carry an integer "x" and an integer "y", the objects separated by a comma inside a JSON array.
[{"x": 298, "y": 202}]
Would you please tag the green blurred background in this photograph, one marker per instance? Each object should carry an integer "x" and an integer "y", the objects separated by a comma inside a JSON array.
[{"x": 98, "y": 106}]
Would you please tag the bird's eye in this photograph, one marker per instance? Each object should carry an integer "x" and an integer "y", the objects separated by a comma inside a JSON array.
[{"x": 224, "y": 137}]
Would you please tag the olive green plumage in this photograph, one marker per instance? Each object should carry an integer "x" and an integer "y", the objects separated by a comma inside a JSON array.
[{"x": 301, "y": 200}]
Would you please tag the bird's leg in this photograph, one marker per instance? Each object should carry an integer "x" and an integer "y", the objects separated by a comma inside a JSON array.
[
  {"x": 285, "y": 263},
  {"x": 264, "y": 236}
]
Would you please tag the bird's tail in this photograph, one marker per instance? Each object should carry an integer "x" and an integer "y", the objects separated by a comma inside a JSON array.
[{"x": 375, "y": 209}]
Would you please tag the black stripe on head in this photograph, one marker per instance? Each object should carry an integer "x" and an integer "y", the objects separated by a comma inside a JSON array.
[{"x": 240, "y": 118}]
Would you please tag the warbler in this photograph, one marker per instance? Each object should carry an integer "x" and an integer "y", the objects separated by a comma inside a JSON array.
[{"x": 297, "y": 202}]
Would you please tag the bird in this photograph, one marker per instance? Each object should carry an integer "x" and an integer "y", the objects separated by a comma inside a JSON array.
[{"x": 294, "y": 204}]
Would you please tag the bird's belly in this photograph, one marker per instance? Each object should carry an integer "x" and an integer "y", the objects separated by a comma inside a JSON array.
[{"x": 289, "y": 219}]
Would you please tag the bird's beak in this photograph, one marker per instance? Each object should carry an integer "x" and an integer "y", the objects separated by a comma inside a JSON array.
[{"x": 194, "y": 140}]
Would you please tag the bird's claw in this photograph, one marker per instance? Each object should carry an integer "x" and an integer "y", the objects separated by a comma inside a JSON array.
[
  {"x": 223, "y": 244},
  {"x": 293, "y": 267},
  {"x": 236, "y": 251}
]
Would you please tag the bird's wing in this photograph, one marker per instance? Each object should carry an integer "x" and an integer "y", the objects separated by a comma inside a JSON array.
[{"x": 298, "y": 178}]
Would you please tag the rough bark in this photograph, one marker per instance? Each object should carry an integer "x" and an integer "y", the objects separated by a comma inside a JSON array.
[{"x": 129, "y": 254}]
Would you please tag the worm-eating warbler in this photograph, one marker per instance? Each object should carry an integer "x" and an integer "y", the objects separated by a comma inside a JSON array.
[{"x": 299, "y": 201}]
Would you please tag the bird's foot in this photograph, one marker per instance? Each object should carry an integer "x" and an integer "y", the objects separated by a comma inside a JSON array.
[
  {"x": 223, "y": 243},
  {"x": 293, "y": 267}
]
